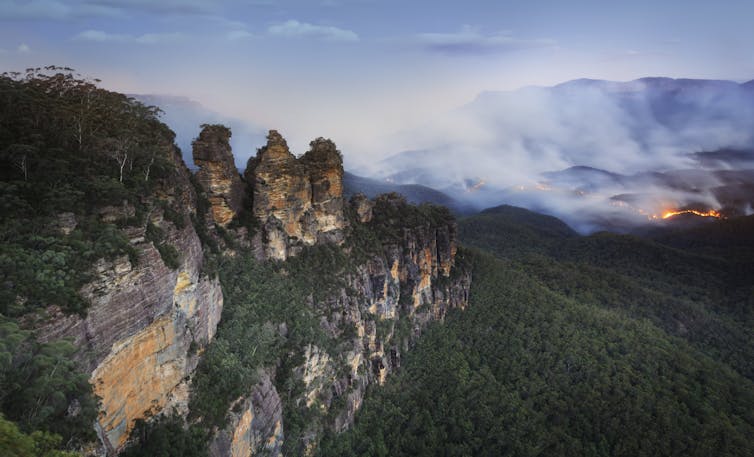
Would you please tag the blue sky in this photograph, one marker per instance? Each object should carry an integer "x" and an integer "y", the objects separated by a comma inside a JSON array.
[{"x": 358, "y": 71}]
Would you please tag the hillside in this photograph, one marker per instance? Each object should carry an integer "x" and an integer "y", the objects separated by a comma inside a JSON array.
[
  {"x": 414, "y": 193},
  {"x": 605, "y": 345},
  {"x": 279, "y": 312}
]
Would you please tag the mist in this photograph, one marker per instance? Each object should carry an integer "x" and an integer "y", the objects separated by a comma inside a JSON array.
[
  {"x": 639, "y": 148},
  {"x": 185, "y": 117}
]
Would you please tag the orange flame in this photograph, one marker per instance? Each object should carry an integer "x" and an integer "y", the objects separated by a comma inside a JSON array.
[{"x": 711, "y": 213}]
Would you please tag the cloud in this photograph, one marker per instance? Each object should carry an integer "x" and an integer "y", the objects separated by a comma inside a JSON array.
[
  {"x": 161, "y": 6},
  {"x": 470, "y": 41},
  {"x": 617, "y": 135},
  {"x": 235, "y": 35},
  {"x": 294, "y": 28},
  {"x": 23, "y": 48},
  {"x": 61, "y": 10},
  {"x": 100, "y": 36},
  {"x": 34, "y": 9}
]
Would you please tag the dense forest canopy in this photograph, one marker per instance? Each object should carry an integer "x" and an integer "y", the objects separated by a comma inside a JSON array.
[{"x": 68, "y": 149}]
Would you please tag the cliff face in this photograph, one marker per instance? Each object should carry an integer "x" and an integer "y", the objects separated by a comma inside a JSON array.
[
  {"x": 298, "y": 202},
  {"x": 149, "y": 321},
  {"x": 257, "y": 426},
  {"x": 146, "y": 322},
  {"x": 411, "y": 278},
  {"x": 217, "y": 173}
]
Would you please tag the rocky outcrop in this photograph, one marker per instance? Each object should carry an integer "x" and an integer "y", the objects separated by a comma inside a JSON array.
[
  {"x": 217, "y": 173},
  {"x": 410, "y": 277},
  {"x": 363, "y": 207},
  {"x": 414, "y": 278},
  {"x": 298, "y": 202},
  {"x": 146, "y": 323},
  {"x": 255, "y": 424}
]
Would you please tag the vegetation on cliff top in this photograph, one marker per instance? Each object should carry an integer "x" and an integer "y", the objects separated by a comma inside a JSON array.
[
  {"x": 77, "y": 164},
  {"x": 69, "y": 151}
]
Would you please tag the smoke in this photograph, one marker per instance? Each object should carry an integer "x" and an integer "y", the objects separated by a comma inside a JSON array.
[{"x": 639, "y": 148}]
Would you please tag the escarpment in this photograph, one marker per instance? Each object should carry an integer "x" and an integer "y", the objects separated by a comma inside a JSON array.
[
  {"x": 153, "y": 315},
  {"x": 407, "y": 273},
  {"x": 148, "y": 319}
]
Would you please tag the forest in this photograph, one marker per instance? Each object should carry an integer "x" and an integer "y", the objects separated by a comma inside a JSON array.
[{"x": 605, "y": 345}]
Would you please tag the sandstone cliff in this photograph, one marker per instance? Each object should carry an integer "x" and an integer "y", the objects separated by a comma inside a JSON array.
[
  {"x": 408, "y": 279},
  {"x": 298, "y": 202},
  {"x": 147, "y": 323},
  {"x": 217, "y": 173}
]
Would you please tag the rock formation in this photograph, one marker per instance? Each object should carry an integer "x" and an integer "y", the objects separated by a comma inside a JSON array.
[
  {"x": 411, "y": 279},
  {"x": 217, "y": 173},
  {"x": 257, "y": 427},
  {"x": 363, "y": 207},
  {"x": 146, "y": 323},
  {"x": 298, "y": 202}
]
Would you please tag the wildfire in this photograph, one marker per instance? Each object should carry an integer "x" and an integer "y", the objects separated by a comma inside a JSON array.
[
  {"x": 711, "y": 213},
  {"x": 667, "y": 214}
]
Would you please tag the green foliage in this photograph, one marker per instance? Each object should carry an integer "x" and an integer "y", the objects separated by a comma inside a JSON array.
[
  {"x": 258, "y": 298},
  {"x": 166, "y": 437},
  {"x": 67, "y": 146},
  {"x": 41, "y": 388},
  {"x": 525, "y": 371},
  {"x": 15, "y": 443},
  {"x": 392, "y": 214},
  {"x": 692, "y": 283},
  {"x": 168, "y": 253}
]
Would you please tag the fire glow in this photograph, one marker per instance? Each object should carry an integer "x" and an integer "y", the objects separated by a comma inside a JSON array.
[
  {"x": 668, "y": 213},
  {"x": 711, "y": 213}
]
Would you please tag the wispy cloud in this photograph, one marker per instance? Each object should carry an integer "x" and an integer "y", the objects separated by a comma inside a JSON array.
[
  {"x": 100, "y": 36},
  {"x": 161, "y": 6},
  {"x": 61, "y": 10},
  {"x": 470, "y": 41},
  {"x": 235, "y": 35},
  {"x": 294, "y": 28},
  {"x": 22, "y": 48}
]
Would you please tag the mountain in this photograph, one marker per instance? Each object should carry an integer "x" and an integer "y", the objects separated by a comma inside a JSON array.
[
  {"x": 568, "y": 150},
  {"x": 415, "y": 194},
  {"x": 148, "y": 309}
]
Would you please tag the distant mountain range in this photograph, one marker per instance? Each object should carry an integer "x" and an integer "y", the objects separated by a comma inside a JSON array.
[{"x": 593, "y": 152}]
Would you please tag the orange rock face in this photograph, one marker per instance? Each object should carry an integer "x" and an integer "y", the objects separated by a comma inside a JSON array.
[
  {"x": 217, "y": 173},
  {"x": 140, "y": 371},
  {"x": 298, "y": 201}
]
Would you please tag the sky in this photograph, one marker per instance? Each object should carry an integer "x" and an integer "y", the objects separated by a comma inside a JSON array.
[{"x": 363, "y": 71}]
